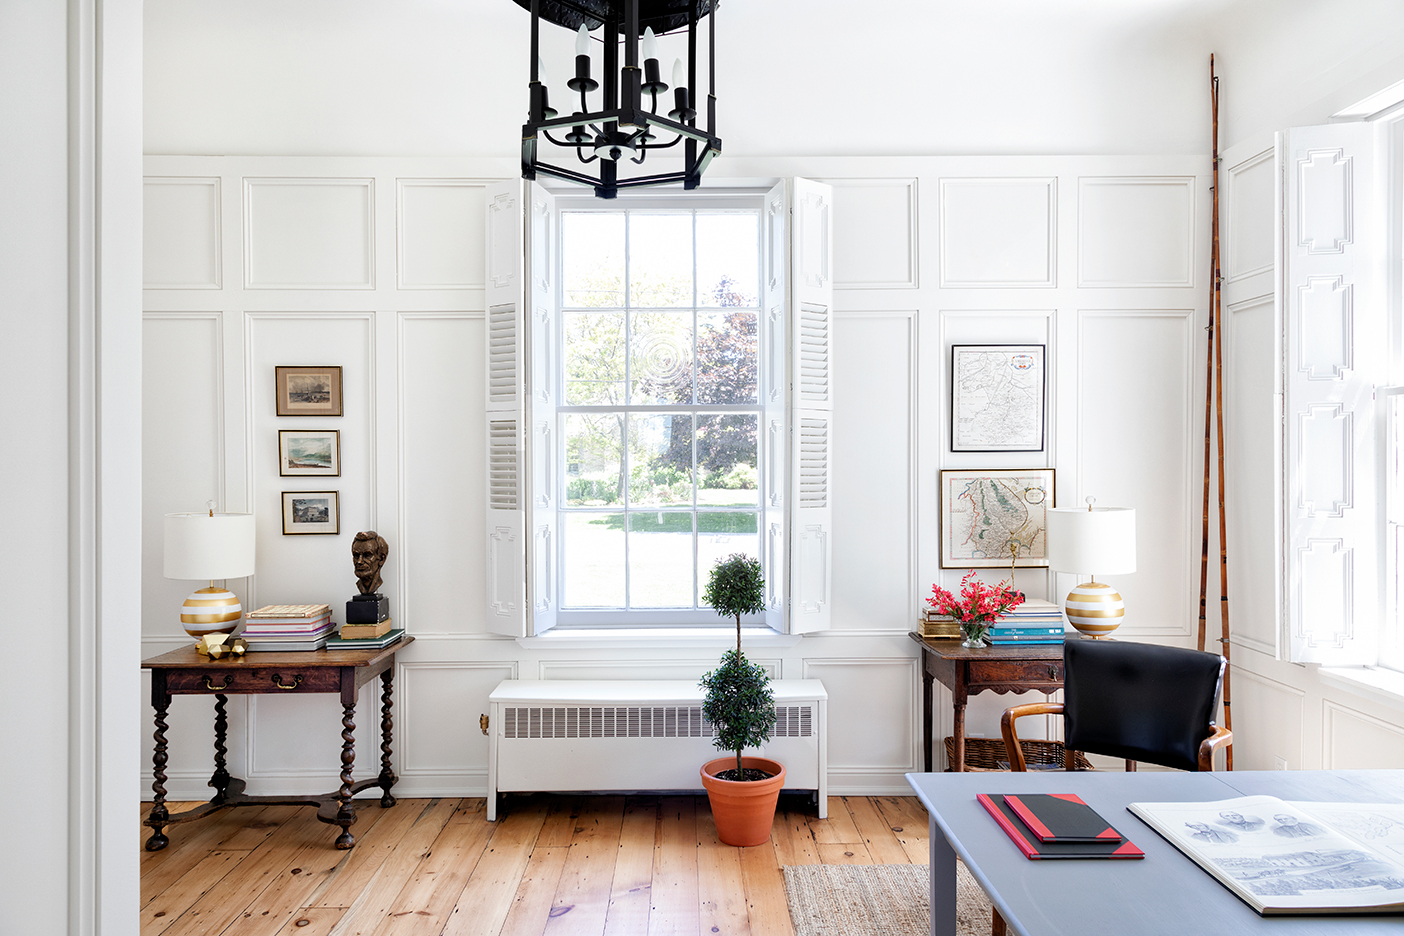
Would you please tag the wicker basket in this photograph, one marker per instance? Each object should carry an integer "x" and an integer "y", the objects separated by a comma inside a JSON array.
[{"x": 990, "y": 754}]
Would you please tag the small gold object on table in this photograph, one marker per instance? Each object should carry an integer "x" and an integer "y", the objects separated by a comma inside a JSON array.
[
  {"x": 219, "y": 646},
  {"x": 938, "y": 627}
]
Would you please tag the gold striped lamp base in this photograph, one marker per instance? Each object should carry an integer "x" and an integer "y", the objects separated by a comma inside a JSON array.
[
  {"x": 1095, "y": 609},
  {"x": 211, "y": 611}
]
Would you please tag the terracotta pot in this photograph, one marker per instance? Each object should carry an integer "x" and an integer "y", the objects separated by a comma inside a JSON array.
[{"x": 743, "y": 810}]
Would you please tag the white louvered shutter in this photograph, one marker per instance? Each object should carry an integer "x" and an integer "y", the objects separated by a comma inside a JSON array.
[
  {"x": 506, "y": 413},
  {"x": 542, "y": 399},
  {"x": 1332, "y": 305},
  {"x": 811, "y": 405},
  {"x": 775, "y": 440}
]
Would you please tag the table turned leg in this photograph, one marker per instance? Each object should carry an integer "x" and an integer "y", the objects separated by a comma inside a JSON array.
[
  {"x": 958, "y": 729},
  {"x": 928, "y": 685},
  {"x": 346, "y": 813},
  {"x": 161, "y": 701},
  {"x": 220, "y": 778},
  {"x": 387, "y": 727}
]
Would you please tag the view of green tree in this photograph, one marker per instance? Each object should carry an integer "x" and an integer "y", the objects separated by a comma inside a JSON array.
[{"x": 690, "y": 479}]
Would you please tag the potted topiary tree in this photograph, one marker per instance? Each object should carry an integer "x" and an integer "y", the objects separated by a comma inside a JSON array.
[{"x": 739, "y": 702}]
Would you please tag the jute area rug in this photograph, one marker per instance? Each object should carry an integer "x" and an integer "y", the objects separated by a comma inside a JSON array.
[{"x": 877, "y": 900}]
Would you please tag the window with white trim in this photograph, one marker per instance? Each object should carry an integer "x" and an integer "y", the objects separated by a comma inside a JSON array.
[{"x": 658, "y": 395}]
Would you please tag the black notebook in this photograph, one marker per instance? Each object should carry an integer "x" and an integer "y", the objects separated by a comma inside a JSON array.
[{"x": 1060, "y": 817}]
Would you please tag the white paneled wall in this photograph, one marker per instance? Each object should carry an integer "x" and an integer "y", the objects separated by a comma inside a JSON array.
[{"x": 377, "y": 265}]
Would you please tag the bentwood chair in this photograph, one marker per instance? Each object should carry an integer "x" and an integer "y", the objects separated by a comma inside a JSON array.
[{"x": 1136, "y": 701}]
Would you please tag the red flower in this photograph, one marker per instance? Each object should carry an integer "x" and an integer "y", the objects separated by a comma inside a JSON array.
[{"x": 978, "y": 601}]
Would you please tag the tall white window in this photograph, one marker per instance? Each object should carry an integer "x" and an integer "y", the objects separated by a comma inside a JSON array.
[
  {"x": 661, "y": 411},
  {"x": 659, "y": 396}
]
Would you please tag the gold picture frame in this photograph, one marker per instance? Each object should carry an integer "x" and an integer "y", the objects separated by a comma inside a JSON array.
[
  {"x": 309, "y": 453},
  {"x": 311, "y": 513},
  {"x": 305, "y": 390}
]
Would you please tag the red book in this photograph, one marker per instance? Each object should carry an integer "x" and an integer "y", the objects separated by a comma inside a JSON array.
[
  {"x": 1036, "y": 850},
  {"x": 1061, "y": 817}
]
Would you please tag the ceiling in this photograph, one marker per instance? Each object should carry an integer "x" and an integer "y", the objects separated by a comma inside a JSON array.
[{"x": 795, "y": 77}]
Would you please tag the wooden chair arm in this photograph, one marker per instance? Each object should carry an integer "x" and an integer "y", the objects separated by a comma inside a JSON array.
[
  {"x": 1006, "y": 728},
  {"x": 1209, "y": 745}
]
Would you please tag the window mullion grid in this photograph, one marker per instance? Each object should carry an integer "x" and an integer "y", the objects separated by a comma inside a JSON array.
[
  {"x": 628, "y": 399},
  {"x": 696, "y": 523}
]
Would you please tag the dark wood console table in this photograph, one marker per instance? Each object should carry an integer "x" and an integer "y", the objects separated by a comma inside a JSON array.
[
  {"x": 185, "y": 672},
  {"x": 967, "y": 672}
]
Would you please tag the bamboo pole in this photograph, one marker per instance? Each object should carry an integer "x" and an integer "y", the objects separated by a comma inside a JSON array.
[
  {"x": 1209, "y": 376},
  {"x": 1216, "y": 314}
]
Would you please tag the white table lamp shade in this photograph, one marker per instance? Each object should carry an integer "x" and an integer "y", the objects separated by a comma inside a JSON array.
[
  {"x": 1101, "y": 541},
  {"x": 199, "y": 546}
]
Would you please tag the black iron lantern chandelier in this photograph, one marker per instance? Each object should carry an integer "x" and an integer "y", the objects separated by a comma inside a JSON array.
[{"x": 626, "y": 125}]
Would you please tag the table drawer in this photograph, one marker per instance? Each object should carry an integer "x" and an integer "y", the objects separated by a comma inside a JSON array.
[
  {"x": 996, "y": 672},
  {"x": 239, "y": 678}
]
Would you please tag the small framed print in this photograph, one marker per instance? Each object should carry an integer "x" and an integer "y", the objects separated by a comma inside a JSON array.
[
  {"x": 308, "y": 391},
  {"x": 311, "y": 512},
  {"x": 992, "y": 517},
  {"x": 997, "y": 393},
  {"x": 309, "y": 453}
]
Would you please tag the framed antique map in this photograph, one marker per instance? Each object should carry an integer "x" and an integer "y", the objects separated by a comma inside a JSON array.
[
  {"x": 997, "y": 393},
  {"x": 988, "y": 514}
]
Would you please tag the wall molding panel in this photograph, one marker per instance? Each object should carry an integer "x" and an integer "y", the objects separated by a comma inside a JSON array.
[
  {"x": 999, "y": 233},
  {"x": 1248, "y": 229},
  {"x": 1352, "y": 739},
  {"x": 1136, "y": 231},
  {"x": 418, "y": 739},
  {"x": 1149, "y": 466},
  {"x": 875, "y": 233},
  {"x": 1275, "y": 715},
  {"x": 439, "y": 234},
  {"x": 182, "y": 241},
  {"x": 309, "y": 233}
]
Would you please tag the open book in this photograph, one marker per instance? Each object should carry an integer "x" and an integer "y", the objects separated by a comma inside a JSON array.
[{"x": 1282, "y": 857}]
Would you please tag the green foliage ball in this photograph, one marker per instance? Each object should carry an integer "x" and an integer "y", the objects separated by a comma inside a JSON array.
[
  {"x": 736, "y": 586},
  {"x": 739, "y": 702}
]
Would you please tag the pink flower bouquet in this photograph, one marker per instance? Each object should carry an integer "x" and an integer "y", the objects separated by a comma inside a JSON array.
[{"x": 978, "y": 607}]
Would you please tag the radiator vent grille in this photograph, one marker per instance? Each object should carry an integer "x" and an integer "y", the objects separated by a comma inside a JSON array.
[{"x": 635, "y": 721}]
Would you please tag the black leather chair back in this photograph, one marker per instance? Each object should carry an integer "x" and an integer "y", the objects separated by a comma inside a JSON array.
[{"x": 1139, "y": 701}]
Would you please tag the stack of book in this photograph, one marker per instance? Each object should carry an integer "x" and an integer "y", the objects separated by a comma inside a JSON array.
[
  {"x": 937, "y": 625},
  {"x": 1034, "y": 622},
  {"x": 288, "y": 627},
  {"x": 375, "y": 636}
]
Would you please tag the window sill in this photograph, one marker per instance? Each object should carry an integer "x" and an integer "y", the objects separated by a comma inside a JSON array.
[
  {"x": 656, "y": 638},
  {"x": 1385, "y": 686}
]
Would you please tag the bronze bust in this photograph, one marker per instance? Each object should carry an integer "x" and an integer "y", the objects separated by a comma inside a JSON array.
[{"x": 368, "y": 553}]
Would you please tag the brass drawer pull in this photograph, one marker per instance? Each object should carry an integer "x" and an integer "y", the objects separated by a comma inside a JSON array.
[
  {"x": 278, "y": 681},
  {"x": 1052, "y": 672},
  {"x": 228, "y": 681}
]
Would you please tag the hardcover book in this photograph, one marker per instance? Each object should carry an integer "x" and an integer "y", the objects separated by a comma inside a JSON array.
[
  {"x": 1036, "y": 850},
  {"x": 1060, "y": 817},
  {"x": 366, "y": 631},
  {"x": 372, "y": 643},
  {"x": 300, "y": 612}
]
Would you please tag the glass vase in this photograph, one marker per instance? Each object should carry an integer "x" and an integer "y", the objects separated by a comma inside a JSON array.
[{"x": 974, "y": 633}]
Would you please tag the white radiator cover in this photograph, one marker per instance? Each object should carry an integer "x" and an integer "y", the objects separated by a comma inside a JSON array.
[{"x": 548, "y": 735}]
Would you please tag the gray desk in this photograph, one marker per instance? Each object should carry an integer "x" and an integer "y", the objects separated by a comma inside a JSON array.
[{"x": 1164, "y": 893}]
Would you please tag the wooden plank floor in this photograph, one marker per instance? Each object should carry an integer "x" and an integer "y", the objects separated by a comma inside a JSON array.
[{"x": 592, "y": 865}]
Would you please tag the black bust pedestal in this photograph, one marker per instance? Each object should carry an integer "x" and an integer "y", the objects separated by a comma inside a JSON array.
[{"x": 367, "y": 609}]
